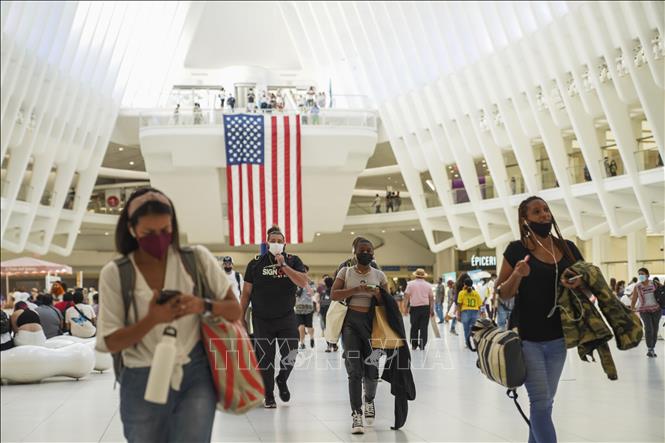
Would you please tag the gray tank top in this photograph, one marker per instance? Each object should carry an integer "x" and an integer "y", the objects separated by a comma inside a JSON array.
[{"x": 353, "y": 278}]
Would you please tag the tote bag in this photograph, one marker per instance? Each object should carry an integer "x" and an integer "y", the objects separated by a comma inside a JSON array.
[
  {"x": 335, "y": 321},
  {"x": 230, "y": 353}
]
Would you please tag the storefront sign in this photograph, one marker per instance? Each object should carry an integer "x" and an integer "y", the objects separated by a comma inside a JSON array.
[{"x": 483, "y": 260}]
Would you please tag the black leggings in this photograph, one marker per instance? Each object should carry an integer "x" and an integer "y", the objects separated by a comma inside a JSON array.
[{"x": 360, "y": 366}]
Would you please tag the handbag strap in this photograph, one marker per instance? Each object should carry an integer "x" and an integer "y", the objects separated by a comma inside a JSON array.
[{"x": 512, "y": 393}]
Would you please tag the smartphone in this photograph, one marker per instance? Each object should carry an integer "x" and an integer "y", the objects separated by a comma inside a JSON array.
[
  {"x": 372, "y": 286},
  {"x": 572, "y": 279},
  {"x": 166, "y": 295}
]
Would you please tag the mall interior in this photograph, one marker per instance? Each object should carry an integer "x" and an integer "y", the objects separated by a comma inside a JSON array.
[{"x": 420, "y": 127}]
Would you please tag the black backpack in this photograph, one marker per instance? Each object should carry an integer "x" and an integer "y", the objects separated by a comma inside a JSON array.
[
  {"x": 659, "y": 293},
  {"x": 5, "y": 327}
]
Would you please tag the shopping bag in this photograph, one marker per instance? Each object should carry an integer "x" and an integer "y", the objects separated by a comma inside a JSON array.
[{"x": 435, "y": 326}]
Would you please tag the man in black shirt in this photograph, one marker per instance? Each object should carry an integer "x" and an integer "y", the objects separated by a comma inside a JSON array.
[{"x": 272, "y": 279}]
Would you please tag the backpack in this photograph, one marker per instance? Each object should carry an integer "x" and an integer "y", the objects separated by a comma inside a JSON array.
[
  {"x": 127, "y": 283},
  {"x": 500, "y": 357},
  {"x": 4, "y": 323},
  {"x": 659, "y": 294},
  {"x": 238, "y": 282}
]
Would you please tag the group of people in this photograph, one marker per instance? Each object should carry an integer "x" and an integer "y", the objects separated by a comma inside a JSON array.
[
  {"x": 32, "y": 318},
  {"x": 393, "y": 201},
  {"x": 282, "y": 297}
]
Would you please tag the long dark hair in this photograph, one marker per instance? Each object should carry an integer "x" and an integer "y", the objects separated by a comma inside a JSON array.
[
  {"x": 525, "y": 232},
  {"x": 459, "y": 285},
  {"x": 124, "y": 241}
]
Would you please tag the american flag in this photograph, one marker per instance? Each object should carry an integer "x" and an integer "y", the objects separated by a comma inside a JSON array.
[{"x": 263, "y": 176}]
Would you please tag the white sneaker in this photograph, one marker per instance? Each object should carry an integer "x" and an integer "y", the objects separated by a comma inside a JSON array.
[
  {"x": 357, "y": 424},
  {"x": 369, "y": 413}
]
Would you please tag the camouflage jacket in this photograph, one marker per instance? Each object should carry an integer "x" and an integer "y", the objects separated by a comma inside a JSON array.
[{"x": 584, "y": 327}]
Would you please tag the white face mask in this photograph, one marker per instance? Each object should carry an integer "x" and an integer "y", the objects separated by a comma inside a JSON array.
[{"x": 276, "y": 248}]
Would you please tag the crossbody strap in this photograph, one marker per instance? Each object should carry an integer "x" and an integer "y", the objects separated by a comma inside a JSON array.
[{"x": 81, "y": 313}]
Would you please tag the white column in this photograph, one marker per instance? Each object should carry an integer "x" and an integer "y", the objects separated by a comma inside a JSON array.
[
  {"x": 635, "y": 250},
  {"x": 446, "y": 261},
  {"x": 500, "y": 248}
]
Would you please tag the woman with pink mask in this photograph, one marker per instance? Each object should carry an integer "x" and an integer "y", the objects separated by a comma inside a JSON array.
[{"x": 147, "y": 235}]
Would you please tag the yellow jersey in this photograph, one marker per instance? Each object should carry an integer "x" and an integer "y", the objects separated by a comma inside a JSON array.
[{"x": 469, "y": 300}]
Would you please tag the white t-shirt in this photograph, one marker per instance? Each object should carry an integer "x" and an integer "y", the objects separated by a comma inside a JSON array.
[
  {"x": 112, "y": 311},
  {"x": 234, "y": 282},
  {"x": 626, "y": 300},
  {"x": 79, "y": 326}
]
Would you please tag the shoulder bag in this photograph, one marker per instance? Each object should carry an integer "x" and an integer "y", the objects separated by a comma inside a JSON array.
[{"x": 231, "y": 356}]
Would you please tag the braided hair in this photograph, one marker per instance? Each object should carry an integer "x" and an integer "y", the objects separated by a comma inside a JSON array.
[{"x": 525, "y": 232}]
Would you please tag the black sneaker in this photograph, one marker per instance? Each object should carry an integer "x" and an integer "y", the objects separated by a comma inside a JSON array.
[
  {"x": 335, "y": 348},
  {"x": 311, "y": 342},
  {"x": 284, "y": 393},
  {"x": 369, "y": 413},
  {"x": 357, "y": 423},
  {"x": 328, "y": 348},
  {"x": 301, "y": 346},
  {"x": 269, "y": 403}
]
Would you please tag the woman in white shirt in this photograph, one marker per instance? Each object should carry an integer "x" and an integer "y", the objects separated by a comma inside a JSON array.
[{"x": 147, "y": 233}]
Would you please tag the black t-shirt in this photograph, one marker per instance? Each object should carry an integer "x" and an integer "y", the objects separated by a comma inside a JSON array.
[
  {"x": 273, "y": 292},
  {"x": 535, "y": 297}
]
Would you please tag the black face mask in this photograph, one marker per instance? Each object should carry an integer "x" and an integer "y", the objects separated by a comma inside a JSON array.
[
  {"x": 364, "y": 258},
  {"x": 228, "y": 270},
  {"x": 541, "y": 229}
]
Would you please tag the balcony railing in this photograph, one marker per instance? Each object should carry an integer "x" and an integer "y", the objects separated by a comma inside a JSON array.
[
  {"x": 648, "y": 159},
  {"x": 214, "y": 117}
]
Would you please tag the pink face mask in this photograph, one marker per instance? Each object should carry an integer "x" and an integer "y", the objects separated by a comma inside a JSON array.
[{"x": 156, "y": 244}]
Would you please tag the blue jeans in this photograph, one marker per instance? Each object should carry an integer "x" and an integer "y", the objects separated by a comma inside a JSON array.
[
  {"x": 438, "y": 308},
  {"x": 188, "y": 414},
  {"x": 469, "y": 317},
  {"x": 544, "y": 364},
  {"x": 502, "y": 316}
]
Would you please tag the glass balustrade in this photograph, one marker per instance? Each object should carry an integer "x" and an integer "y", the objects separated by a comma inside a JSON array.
[
  {"x": 578, "y": 174},
  {"x": 207, "y": 117},
  {"x": 548, "y": 180},
  {"x": 459, "y": 195},
  {"x": 648, "y": 159},
  {"x": 611, "y": 167},
  {"x": 516, "y": 185},
  {"x": 487, "y": 190}
]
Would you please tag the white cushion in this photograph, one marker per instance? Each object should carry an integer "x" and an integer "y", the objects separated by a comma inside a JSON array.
[
  {"x": 29, "y": 364},
  {"x": 103, "y": 360}
]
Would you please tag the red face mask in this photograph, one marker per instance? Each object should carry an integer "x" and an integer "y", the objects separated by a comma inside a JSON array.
[{"x": 156, "y": 244}]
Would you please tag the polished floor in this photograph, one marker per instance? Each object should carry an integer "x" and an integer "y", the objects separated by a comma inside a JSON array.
[{"x": 455, "y": 403}]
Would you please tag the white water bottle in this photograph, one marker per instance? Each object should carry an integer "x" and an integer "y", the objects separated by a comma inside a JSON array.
[{"x": 159, "y": 380}]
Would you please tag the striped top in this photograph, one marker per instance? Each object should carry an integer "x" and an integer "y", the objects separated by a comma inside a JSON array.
[{"x": 646, "y": 297}]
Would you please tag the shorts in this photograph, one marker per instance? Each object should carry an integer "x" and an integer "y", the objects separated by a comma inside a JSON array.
[{"x": 304, "y": 319}]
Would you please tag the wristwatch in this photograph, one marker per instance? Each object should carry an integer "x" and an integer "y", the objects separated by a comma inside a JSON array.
[{"x": 207, "y": 306}]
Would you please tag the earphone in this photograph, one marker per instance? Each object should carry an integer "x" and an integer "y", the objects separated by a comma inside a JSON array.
[{"x": 556, "y": 277}]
